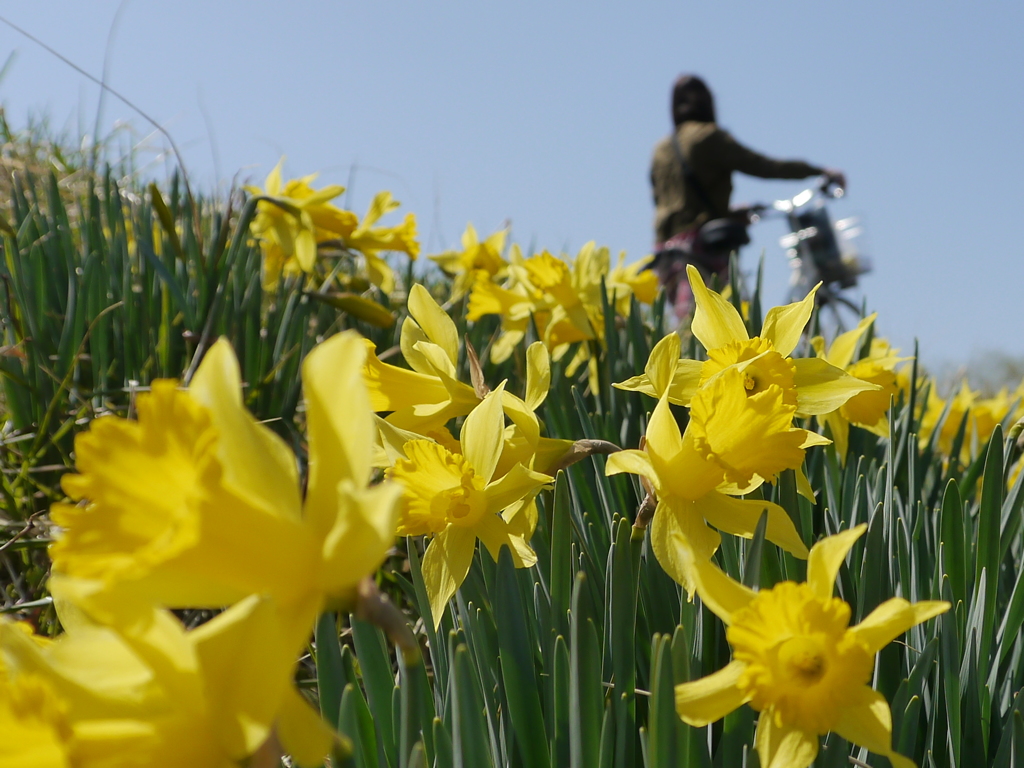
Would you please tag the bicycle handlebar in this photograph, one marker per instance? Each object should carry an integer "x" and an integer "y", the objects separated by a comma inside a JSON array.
[{"x": 824, "y": 188}]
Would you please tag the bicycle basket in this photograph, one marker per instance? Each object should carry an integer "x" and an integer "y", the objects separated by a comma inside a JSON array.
[{"x": 814, "y": 240}]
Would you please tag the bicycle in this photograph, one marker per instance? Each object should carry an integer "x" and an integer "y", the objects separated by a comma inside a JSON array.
[{"x": 820, "y": 250}]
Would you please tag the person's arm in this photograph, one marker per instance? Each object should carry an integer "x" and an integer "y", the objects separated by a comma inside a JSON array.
[{"x": 733, "y": 156}]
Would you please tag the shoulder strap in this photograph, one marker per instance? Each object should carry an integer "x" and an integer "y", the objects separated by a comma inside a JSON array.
[{"x": 690, "y": 178}]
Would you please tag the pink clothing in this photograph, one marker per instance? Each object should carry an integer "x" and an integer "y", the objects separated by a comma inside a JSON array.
[{"x": 673, "y": 256}]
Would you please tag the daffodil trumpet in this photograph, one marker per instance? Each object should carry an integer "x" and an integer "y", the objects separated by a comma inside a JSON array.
[{"x": 198, "y": 505}]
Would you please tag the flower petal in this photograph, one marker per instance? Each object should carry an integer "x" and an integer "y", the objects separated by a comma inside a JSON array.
[
  {"x": 538, "y": 374},
  {"x": 822, "y": 388},
  {"x": 746, "y": 435},
  {"x": 258, "y": 465},
  {"x": 381, "y": 204},
  {"x": 661, "y": 364},
  {"x": 394, "y": 389},
  {"x": 445, "y": 565},
  {"x": 686, "y": 474},
  {"x": 867, "y": 722},
  {"x": 722, "y": 596},
  {"x": 739, "y": 517},
  {"x": 783, "y": 326},
  {"x": 246, "y": 662},
  {"x": 868, "y": 409},
  {"x": 715, "y": 321},
  {"x": 813, "y": 438},
  {"x": 892, "y": 618},
  {"x": 379, "y": 272},
  {"x": 674, "y": 520},
  {"x": 495, "y": 533},
  {"x": 522, "y": 519},
  {"x": 803, "y": 485},
  {"x": 433, "y": 360},
  {"x": 840, "y": 352},
  {"x": 632, "y": 461},
  {"x": 839, "y": 428},
  {"x": 521, "y": 414},
  {"x": 685, "y": 381},
  {"x": 303, "y": 733},
  {"x": 434, "y": 321},
  {"x": 410, "y": 336},
  {"x": 305, "y": 247},
  {"x": 481, "y": 435},
  {"x": 428, "y": 418},
  {"x": 711, "y": 698},
  {"x": 664, "y": 442},
  {"x": 363, "y": 532},
  {"x": 517, "y": 484},
  {"x": 273, "y": 181},
  {"x": 393, "y": 439},
  {"x": 461, "y": 396},
  {"x": 783, "y": 746},
  {"x": 826, "y": 558},
  {"x": 340, "y": 424},
  {"x": 735, "y": 489},
  {"x": 93, "y": 664}
]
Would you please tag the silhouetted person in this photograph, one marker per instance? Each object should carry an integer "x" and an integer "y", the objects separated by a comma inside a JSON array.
[{"x": 691, "y": 177}]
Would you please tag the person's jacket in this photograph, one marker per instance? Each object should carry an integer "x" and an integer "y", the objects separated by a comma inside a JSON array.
[{"x": 713, "y": 154}]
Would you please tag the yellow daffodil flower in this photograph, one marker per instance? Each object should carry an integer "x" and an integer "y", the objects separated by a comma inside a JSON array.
[
  {"x": 987, "y": 413},
  {"x": 982, "y": 415},
  {"x": 959, "y": 407},
  {"x": 865, "y": 409},
  {"x": 572, "y": 307},
  {"x": 513, "y": 305},
  {"x": 564, "y": 300},
  {"x": 292, "y": 221},
  {"x": 813, "y": 385},
  {"x": 293, "y": 218},
  {"x": 690, "y": 471},
  {"x": 146, "y": 692},
  {"x": 477, "y": 260},
  {"x": 198, "y": 505},
  {"x": 456, "y": 499},
  {"x": 797, "y": 660},
  {"x": 570, "y": 321},
  {"x": 589, "y": 269},
  {"x": 370, "y": 240},
  {"x": 430, "y": 394},
  {"x": 522, "y": 442},
  {"x": 624, "y": 282},
  {"x": 515, "y": 302}
]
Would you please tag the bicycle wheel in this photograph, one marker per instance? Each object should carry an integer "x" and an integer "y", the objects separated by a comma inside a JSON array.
[{"x": 836, "y": 313}]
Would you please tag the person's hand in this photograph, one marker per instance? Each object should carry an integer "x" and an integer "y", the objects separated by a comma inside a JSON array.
[
  {"x": 834, "y": 176},
  {"x": 743, "y": 213}
]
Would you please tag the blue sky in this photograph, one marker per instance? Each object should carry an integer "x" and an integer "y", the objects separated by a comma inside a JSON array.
[{"x": 544, "y": 114}]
